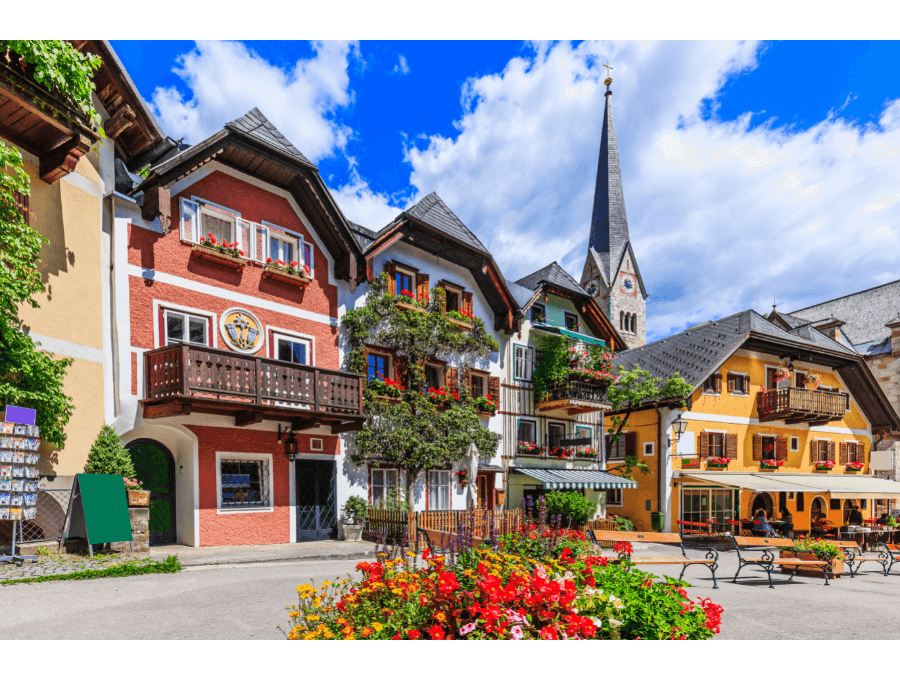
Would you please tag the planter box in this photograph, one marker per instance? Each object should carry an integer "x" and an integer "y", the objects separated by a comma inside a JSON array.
[
  {"x": 283, "y": 276},
  {"x": 713, "y": 466},
  {"x": 390, "y": 400},
  {"x": 441, "y": 405},
  {"x": 770, "y": 469},
  {"x": 822, "y": 469},
  {"x": 406, "y": 306},
  {"x": 459, "y": 326},
  {"x": 213, "y": 255},
  {"x": 836, "y": 570},
  {"x": 353, "y": 532},
  {"x": 851, "y": 471},
  {"x": 486, "y": 414},
  {"x": 138, "y": 498}
]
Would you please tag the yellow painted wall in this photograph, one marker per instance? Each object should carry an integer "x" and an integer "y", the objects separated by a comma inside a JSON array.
[{"x": 634, "y": 501}]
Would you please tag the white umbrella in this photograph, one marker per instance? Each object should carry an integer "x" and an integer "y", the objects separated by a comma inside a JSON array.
[{"x": 471, "y": 491}]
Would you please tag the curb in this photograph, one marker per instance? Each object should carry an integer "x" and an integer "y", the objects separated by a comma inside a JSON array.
[{"x": 202, "y": 562}]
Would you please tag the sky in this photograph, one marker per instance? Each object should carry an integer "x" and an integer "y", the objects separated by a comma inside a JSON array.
[{"x": 753, "y": 172}]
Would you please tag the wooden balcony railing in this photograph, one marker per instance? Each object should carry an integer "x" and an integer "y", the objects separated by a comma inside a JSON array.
[
  {"x": 576, "y": 396},
  {"x": 798, "y": 404},
  {"x": 221, "y": 381}
]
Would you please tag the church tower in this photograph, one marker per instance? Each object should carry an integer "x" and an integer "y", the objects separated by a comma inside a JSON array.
[{"x": 611, "y": 273}]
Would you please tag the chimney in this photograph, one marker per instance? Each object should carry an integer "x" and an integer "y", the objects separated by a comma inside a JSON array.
[
  {"x": 895, "y": 335},
  {"x": 832, "y": 328}
]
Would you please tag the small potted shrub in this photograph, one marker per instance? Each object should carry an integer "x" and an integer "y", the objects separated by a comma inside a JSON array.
[{"x": 354, "y": 518}]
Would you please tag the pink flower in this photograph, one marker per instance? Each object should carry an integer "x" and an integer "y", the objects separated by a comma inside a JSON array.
[
  {"x": 516, "y": 632},
  {"x": 466, "y": 629}
]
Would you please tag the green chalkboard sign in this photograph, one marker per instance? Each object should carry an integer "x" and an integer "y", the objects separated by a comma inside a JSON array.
[{"x": 99, "y": 504}]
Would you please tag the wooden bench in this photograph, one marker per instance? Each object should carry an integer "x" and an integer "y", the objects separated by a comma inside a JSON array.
[
  {"x": 892, "y": 551},
  {"x": 710, "y": 561},
  {"x": 745, "y": 545},
  {"x": 854, "y": 555}
]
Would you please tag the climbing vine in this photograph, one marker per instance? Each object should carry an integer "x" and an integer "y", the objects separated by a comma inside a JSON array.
[{"x": 410, "y": 432}]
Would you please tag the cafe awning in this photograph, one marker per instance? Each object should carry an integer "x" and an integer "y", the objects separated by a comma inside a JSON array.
[
  {"x": 837, "y": 485},
  {"x": 576, "y": 479}
]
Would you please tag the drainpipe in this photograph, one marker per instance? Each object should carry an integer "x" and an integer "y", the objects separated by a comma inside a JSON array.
[{"x": 660, "y": 461}]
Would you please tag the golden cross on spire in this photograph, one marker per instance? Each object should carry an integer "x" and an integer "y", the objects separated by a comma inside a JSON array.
[{"x": 608, "y": 67}]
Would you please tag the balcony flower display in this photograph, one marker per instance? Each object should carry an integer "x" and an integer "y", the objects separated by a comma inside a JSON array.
[
  {"x": 530, "y": 448},
  {"x": 292, "y": 268},
  {"x": 441, "y": 397},
  {"x": 561, "y": 452},
  {"x": 770, "y": 464},
  {"x": 462, "y": 476},
  {"x": 782, "y": 373},
  {"x": 589, "y": 376},
  {"x": 486, "y": 404},
  {"x": 587, "y": 452},
  {"x": 386, "y": 387},
  {"x": 720, "y": 462},
  {"x": 825, "y": 465},
  {"x": 222, "y": 246},
  {"x": 460, "y": 315},
  {"x": 855, "y": 465},
  {"x": 564, "y": 372},
  {"x": 812, "y": 381},
  {"x": 409, "y": 298}
]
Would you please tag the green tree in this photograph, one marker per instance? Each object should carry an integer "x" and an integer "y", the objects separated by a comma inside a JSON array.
[
  {"x": 29, "y": 376},
  {"x": 413, "y": 435},
  {"x": 108, "y": 456}
]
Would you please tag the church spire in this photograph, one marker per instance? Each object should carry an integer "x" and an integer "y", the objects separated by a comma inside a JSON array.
[{"x": 609, "y": 226}]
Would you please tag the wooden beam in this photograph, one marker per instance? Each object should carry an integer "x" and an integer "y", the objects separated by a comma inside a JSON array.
[
  {"x": 244, "y": 418},
  {"x": 120, "y": 121},
  {"x": 298, "y": 424},
  {"x": 62, "y": 160},
  {"x": 352, "y": 426},
  {"x": 165, "y": 410},
  {"x": 157, "y": 203}
]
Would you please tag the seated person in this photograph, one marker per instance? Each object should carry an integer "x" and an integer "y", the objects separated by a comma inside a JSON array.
[
  {"x": 788, "y": 527},
  {"x": 766, "y": 528},
  {"x": 855, "y": 518}
]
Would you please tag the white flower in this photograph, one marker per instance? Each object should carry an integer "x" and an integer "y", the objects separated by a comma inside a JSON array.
[
  {"x": 597, "y": 622},
  {"x": 615, "y": 623}
]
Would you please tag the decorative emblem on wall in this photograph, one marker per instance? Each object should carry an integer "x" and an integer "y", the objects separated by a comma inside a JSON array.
[{"x": 241, "y": 331}]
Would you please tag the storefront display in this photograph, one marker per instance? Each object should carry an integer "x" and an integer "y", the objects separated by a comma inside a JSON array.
[{"x": 19, "y": 472}]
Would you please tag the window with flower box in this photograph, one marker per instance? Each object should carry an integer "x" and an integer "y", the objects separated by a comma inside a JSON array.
[
  {"x": 851, "y": 452},
  {"x": 527, "y": 438},
  {"x": 439, "y": 484},
  {"x": 821, "y": 450},
  {"x": 538, "y": 313},
  {"x": 572, "y": 321},
  {"x": 378, "y": 366},
  {"x": 288, "y": 248},
  {"x": 208, "y": 223}
]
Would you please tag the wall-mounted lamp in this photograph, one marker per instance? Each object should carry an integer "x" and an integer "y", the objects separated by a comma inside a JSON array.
[
  {"x": 679, "y": 426},
  {"x": 290, "y": 443}
]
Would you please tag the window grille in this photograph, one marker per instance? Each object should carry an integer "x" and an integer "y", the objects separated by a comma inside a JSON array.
[{"x": 245, "y": 483}]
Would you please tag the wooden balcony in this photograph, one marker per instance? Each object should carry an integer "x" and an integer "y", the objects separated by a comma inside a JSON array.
[
  {"x": 182, "y": 379},
  {"x": 575, "y": 396},
  {"x": 800, "y": 405}
]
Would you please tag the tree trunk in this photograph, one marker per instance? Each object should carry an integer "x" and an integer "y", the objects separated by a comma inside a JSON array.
[{"x": 410, "y": 483}]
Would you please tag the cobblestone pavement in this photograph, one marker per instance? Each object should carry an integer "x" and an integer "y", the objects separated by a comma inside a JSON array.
[{"x": 67, "y": 564}]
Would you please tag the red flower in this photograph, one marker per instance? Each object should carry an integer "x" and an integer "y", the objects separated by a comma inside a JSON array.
[
  {"x": 241, "y": 253},
  {"x": 212, "y": 238},
  {"x": 413, "y": 634},
  {"x": 268, "y": 260},
  {"x": 294, "y": 264},
  {"x": 436, "y": 632}
]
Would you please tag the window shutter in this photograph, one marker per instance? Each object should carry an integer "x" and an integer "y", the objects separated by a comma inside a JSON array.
[
  {"x": 799, "y": 501},
  {"x": 401, "y": 370},
  {"x": 731, "y": 445},
  {"x": 189, "y": 218},
  {"x": 757, "y": 447},
  {"x": 391, "y": 270},
  {"x": 861, "y": 452},
  {"x": 731, "y": 383},
  {"x": 704, "y": 444},
  {"x": 467, "y": 303},
  {"x": 631, "y": 444},
  {"x": 494, "y": 389},
  {"x": 422, "y": 288},
  {"x": 366, "y": 363},
  {"x": 831, "y": 451},
  {"x": 781, "y": 447},
  {"x": 21, "y": 201},
  {"x": 782, "y": 499},
  {"x": 452, "y": 378},
  {"x": 845, "y": 456},
  {"x": 718, "y": 383}
]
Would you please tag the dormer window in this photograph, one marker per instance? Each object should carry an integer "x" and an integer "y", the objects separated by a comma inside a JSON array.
[{"x": 538, "y": 313}]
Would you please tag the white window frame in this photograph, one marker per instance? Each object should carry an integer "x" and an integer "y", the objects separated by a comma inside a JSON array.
[
  {"x": 774, "y": 438},
  {"x": 267, "y": 458},
  {"x": 611, "y": 502},
  {"x": 798, "y": 372},
  {"x": 746, "y": 377},
  {"x": 528, "y": 362},
  {"x": 858, "y": 445},
  {"x": 440, "y": 485},
  {"x": 186, "y": 316},
  {"x": 795, "y": 443},
  {"x": 278, "y": 334},
  {"x": 205, "y": 210},
  {"x": 316, "y": 444},
  {"x": 383, "y": 471},
  {"x": 649, "y": 449},
  {"x": 270, "y": 229}
]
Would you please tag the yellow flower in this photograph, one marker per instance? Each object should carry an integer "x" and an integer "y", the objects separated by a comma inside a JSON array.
[
  {"x": 377, "y": 626},
  {"x": 313, "y": 617},
  {"x": 325, "y": 584}
]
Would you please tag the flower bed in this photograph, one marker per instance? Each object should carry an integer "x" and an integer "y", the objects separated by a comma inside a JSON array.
[{"x": 536, "y": 584}]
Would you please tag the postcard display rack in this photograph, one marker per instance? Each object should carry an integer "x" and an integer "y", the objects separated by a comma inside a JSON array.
[{"x": 19, "y": 475}]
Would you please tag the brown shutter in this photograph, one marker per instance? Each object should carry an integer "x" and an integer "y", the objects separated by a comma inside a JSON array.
[
  {"x": 845, "y": 456},
  {"x": 704, "y": 444},
  {"x": 718, "y": 383},
  {"x": 494, "y": 389},
  {"x": 452, "y": 378},
  {"x": 757, "y": 447},
  {"x": 781, "y": 447},
  {"x": 861, "y": 452},
  {"x": 631, "y": 444},
  {"x": 366, "y": 363},
  {"x": 731, "y": 445},
  {"x": 731, "y": 387},
  {"x": 401, "y": 370},
  {"x": 422, "y": 289},
  {"x": 467, "y": 304},
  {"x": 391, "y": 270},
  {"x": 831, "y": 451},
  {"x": 21, "y": 201}
]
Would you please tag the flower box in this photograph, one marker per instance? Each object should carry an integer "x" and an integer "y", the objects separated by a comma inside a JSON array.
[
  {"x": 836, "y": 569},
  {"x": 824, "y": 467},
  {"x": 138, "y": 498},
  {"x": 213, "y": 255},
  {"x": 459, "y": 326},
  {"x": 409, "y": 307},
  {"x": 720, "y": 466},
  {"x": 282, "y": 275},
  {"x": 485, "y": 412},
  {"x": 390, "y": 400}
]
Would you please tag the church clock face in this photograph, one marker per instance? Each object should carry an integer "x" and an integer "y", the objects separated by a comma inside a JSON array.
[
  {"x": 629, "y": 285},
  {"x": 593, "y": 286}
]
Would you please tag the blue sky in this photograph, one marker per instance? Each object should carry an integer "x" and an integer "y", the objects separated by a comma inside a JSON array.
[{"x": 751, "y": 170}]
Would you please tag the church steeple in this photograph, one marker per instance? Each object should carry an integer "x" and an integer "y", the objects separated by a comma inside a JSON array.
[{"x": 609, "y": 225}]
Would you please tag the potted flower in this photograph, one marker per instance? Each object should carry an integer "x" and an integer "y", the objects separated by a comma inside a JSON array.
[
  {"x": 386, "y": 389},
  {"x": 219, "y": 251},
  {"x": 854, "y": 466},
  {"x": 355, "y": 512},
  {"x": 770, "y": 464},
  {"x": 293, "y": 273},
  {"x": 486, "y": 405},
  {"x": 441, "y": 398},
  {"x": 812, "y": 381},
  {"x": 530, "y": 449},
  {"x": 824, "y": 465},
  {"x": 717, "y": 462},
  {"x": 561, "y": 453},
  {"x": 815, "y": 549},
  {"x": 406, "y": 299},
  {"x": 460, "y": 320},
  {"x": 137, "y": 496},
  {"x": 586, "y": 452},
  {"x": 462, "y": 476},
  {"x": 782, "y": 373}
]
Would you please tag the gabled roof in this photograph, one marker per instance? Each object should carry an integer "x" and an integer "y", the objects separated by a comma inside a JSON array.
[
  {"x": 555, "y": 276},
  {"x": 362, "y": 235},
  {"x": 523, "y": 296},
  {"x": 254, "y": 124},
  {"x": 434, "y": 212}
]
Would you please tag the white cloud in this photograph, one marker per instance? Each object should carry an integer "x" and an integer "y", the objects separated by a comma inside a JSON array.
[
  {"x": 226, "y": 80},
  {"x": 402, "y": 67}
]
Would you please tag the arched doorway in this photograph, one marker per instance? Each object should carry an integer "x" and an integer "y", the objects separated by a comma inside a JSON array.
[
  {"x": 817, "y": 510},
  {"x": 764, "y": 501},
  {"x": 155, "y": 467}
]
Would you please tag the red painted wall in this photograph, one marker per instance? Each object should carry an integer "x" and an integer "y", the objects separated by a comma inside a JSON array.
[{"x": 246, "y": 528}]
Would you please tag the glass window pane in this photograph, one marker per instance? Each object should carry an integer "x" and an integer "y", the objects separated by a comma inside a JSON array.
[
  {"x": 218, "y": 227},
  {"x": 299, "y": 352},
  {"x": 197, "y": 330},
  {"x": 246, "y": 232},
  {"x": 284, "y": 350},
  {"x": 174, "y": 328},
  {"x": 307, "y": 255}
]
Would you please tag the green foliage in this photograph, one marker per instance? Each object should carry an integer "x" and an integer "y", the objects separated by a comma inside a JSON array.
[
  {"x": 413, "y": 435},
  {"x": 571, "y": 505},
  {"x": 817, "y": 545},
  {"x": 108, "y": 456},
  {"x": 553, "y": 366},
  {"x": 170, "y": 565},
  {"x": 355, "y": 509},
  {"x": 891, "y": 522},
  {"x": 635, "y": 389},
  {"x": 622, "y": 523},
  {"x": 62, "y": 69}
]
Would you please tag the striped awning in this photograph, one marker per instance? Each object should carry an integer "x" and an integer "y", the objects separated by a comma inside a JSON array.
[{"x": 577, "y": 479}]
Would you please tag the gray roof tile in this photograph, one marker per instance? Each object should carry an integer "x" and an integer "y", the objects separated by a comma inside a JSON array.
[
  {"x": 555, "y": 276},
  {"x": 362, "y": 235},
  {"x": 434, "y": 212},
  {"x": 256, "y": 125},
  {"x": 520, "y": 294}
]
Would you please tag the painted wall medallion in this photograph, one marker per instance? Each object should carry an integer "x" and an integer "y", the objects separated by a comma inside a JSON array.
[{"x": 241, "y": 331}]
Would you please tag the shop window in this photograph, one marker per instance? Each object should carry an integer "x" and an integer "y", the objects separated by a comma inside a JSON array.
[
  {"x": 385, "y": 486},
  {"x": 244, "y": 483},
  {"x": 703, "y": 505},
  {"x": 439, "y": 489},
  {"x": 184, "y": 327}
]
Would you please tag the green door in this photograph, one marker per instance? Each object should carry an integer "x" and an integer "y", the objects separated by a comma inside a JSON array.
[{"x": 155, "y": 467}]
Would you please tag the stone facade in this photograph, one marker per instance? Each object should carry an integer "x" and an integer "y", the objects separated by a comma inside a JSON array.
[{"x": 886, "y": 369}]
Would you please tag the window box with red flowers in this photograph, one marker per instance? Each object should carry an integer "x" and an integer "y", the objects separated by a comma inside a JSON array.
[
  {"x": 220, "y": 252},
  {"x": 770, "y": 464},
  {"x": 485, "y": 406},
  {"x": 386, "y": 389},
  {"x": 587, "y": 452},
  {"x": 560, "y": 453},
  {"x": 441, "y": 397},
  {"x": 717, "y": 462},
  {"x": 462, "y": 476},
  {"x": 406, "y": 300},
  {"x": 530, "y": 449},
  {"x": 294, "y": 273},
  {"x": 854, "y": 467},
  {"x": 824, "y": 466},
  {"x": 460, "y": 320}
]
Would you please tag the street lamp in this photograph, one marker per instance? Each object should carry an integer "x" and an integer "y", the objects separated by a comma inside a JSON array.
[{"x": 679, "y": 426}]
